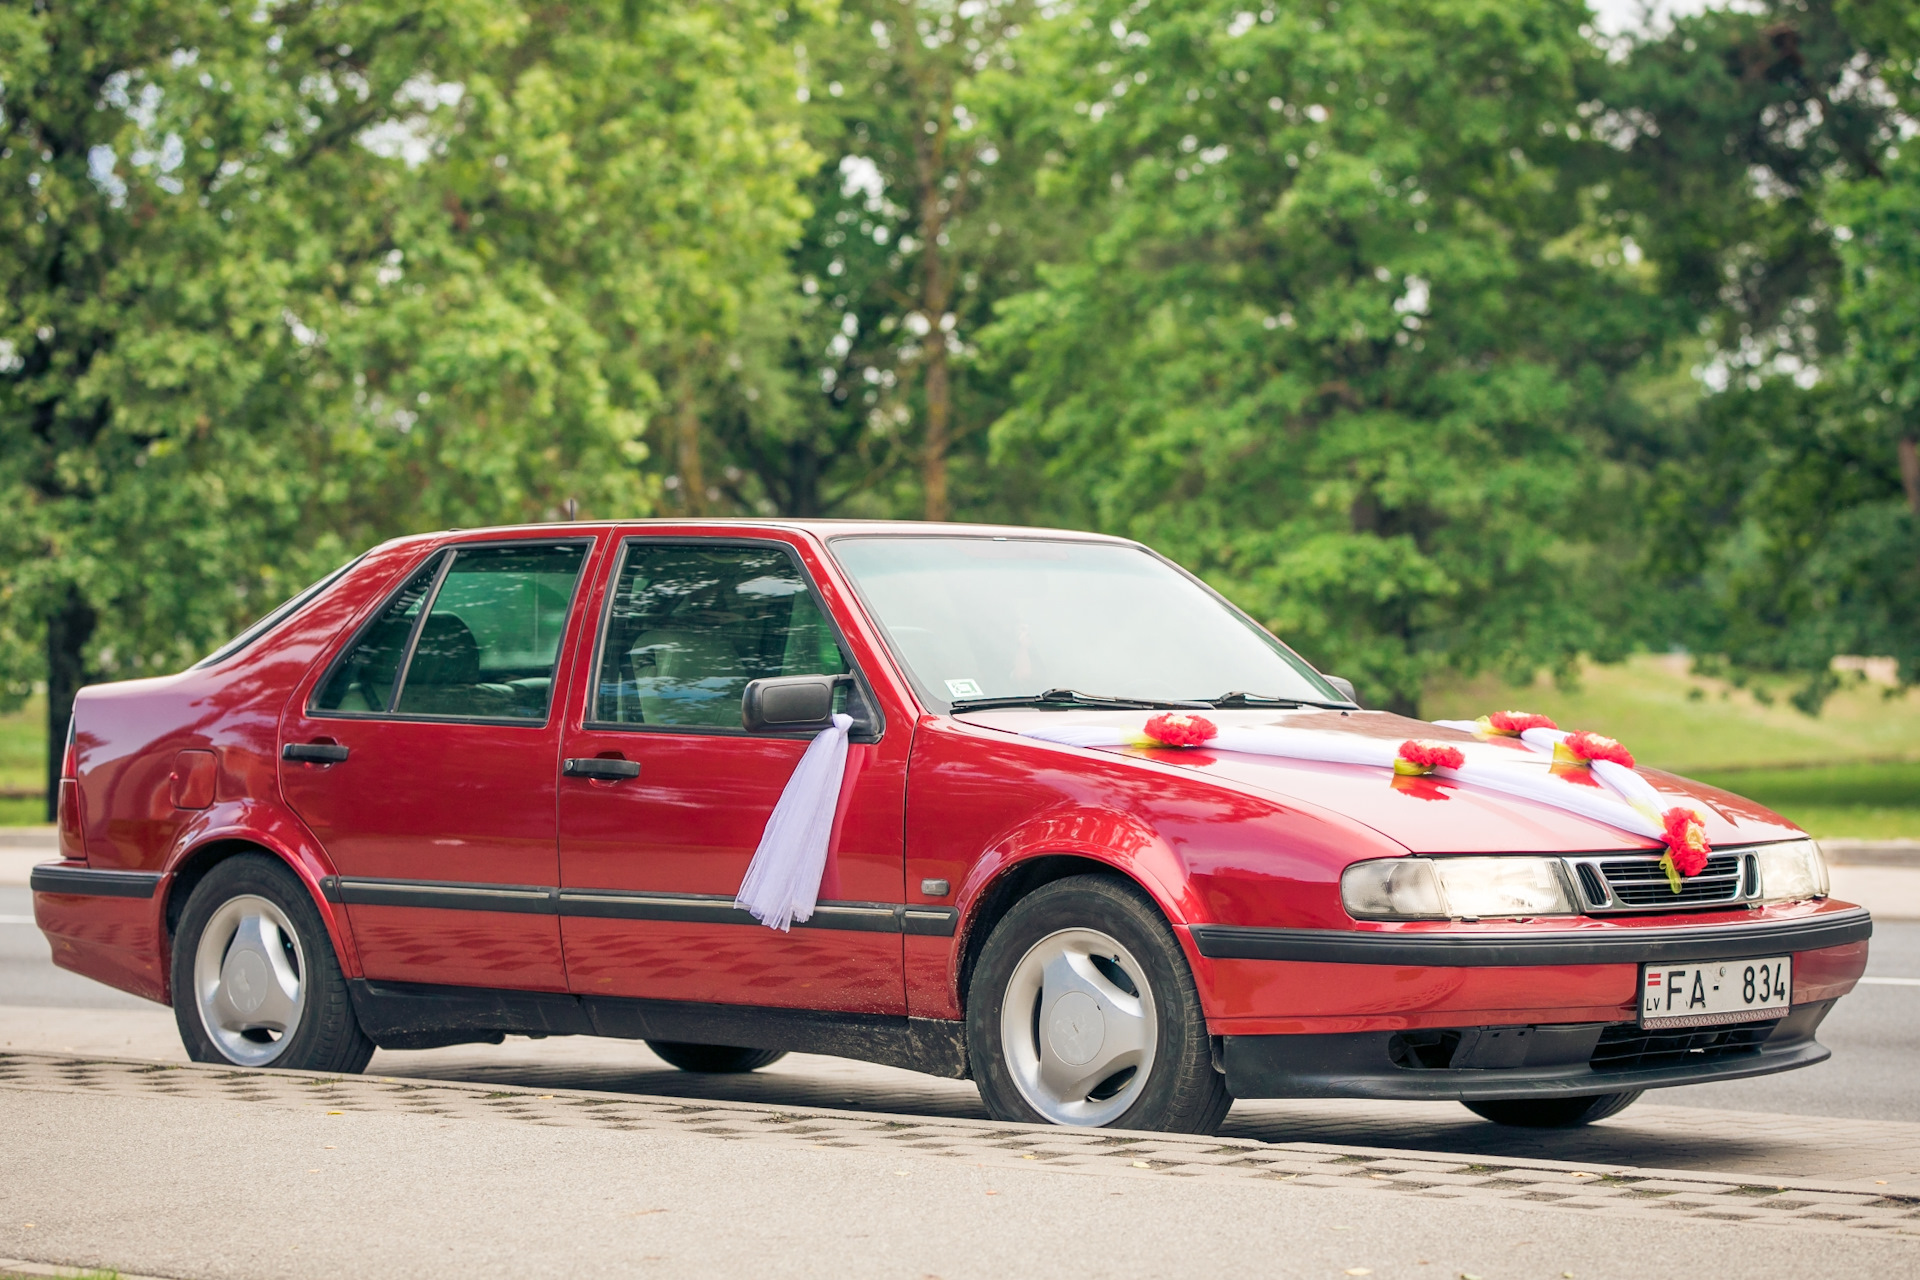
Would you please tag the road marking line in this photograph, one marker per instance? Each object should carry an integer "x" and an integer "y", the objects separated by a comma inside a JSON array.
[{"x": 1892, "y": 982}]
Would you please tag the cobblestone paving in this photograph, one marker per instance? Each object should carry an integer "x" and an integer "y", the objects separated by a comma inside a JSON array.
[
  {"x": 1749, "y": 1146},
  {"x": 1615, "y": 1191}
]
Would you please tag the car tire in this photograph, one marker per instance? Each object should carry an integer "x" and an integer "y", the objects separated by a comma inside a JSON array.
[
  {"x": 1553, "y": 1113},
  {"x": 251, "y": 954},
  {"x": 714, "y": 1059},
  {"x": 1095, "y": 956}
]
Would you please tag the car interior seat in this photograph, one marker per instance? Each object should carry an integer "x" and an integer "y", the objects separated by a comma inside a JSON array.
[
  {"x": 685, "y": 676},
  {"x": 444, "y": 678}
]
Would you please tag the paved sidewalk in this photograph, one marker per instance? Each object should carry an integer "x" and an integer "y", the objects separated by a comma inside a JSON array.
[
  {"x": 208, "y": 1172},
  {"x": 1865, "y": 1155}
]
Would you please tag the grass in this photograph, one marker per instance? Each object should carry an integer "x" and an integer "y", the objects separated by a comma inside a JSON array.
[
  {"x": 1854, "y": 770},
  {"x": 1865, "y": 801},
  {"x": 23, "y": 763}
]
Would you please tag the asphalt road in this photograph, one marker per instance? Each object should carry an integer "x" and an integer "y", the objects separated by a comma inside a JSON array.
[
  {"x": 250, "y": 1190},
  {"x": 1874, "y": 1033}
]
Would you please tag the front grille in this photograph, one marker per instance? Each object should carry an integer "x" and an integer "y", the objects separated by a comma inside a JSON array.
[
  {"x": 1625, "y": 1045},
  {"x": 1641, "y": 882}
]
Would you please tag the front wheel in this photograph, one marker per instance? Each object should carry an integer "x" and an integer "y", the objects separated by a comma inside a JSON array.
[
  {"x": 1553, "y": 1113},
  {"x": 255, "y": 980},
  {"x": 1082, "y": 1011}
]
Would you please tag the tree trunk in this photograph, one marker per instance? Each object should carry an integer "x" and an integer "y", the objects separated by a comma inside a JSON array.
[
  {"x": 802, "y": 480},
  {"x": 933, "y": 461},
  {"x": 693, "y": 480},
  {"x": 1910, "y": 472},
  {"x": 69, "y": 628}
]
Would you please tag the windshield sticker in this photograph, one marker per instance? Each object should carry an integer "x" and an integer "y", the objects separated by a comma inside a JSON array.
[{"x": 963, "y": 688}]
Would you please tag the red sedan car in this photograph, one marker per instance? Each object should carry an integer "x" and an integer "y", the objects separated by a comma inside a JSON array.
[{"x": 508, "y": 781}]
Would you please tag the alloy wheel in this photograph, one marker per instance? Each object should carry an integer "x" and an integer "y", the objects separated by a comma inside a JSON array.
[
  {"x": 1078, "y": 1027},
  {"x": 247, "y": 980}
]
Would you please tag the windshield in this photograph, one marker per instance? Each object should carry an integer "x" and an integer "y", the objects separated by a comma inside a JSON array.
[{"x": 977, "y": 617}]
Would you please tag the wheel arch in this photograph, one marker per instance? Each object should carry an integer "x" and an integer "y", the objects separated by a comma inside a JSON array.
[
  {"x": 1015, "y": 881},
  {"x": 212, "y": 844}
]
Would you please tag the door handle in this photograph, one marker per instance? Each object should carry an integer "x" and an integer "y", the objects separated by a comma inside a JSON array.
[
  {"x": 314, "y": 752},
  {"x": 600, "y": 767}
]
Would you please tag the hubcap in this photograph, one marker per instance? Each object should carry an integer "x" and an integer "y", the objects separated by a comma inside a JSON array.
[
  {"x": 1077, "y": 1027},
  {"x": 247, "y": 980}
]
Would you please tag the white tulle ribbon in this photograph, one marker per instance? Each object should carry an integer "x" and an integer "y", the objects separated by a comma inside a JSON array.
[
  {"x": 782, "y": 884},
  {"x": 1624, "y": 799}
]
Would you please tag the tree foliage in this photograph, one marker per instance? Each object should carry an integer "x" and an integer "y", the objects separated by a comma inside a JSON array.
[
  {"x": 1767, "y": 163},
  {"x": 1351, "y": 336},
  {"x": 1442, "y": 334},
  {"x": 282, "y": 283}
]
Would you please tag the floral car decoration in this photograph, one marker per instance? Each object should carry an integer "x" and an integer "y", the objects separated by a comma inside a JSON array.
[
  {"x": 1420, "y": 756},
  {"x": 1633, "y": 800}
]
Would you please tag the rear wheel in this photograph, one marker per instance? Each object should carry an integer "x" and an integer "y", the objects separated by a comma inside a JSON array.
[
  {"x": 255, "y": 980},
  {"x": 714, "y": 1059},
  {"x": 1553, "y": 1113},
  {"x": 1082, "y": 1011}
]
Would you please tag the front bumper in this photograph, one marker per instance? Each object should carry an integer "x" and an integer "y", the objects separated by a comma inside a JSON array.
[
  {"x": 1597, "y": 943},
  {"x": 1485, "y": 1063}
]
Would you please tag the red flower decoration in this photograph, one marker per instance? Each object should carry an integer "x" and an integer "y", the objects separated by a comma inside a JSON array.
[
  {"x": 1518, "y": 722},
  {"x": 1171, "y": 729},
  {"x": 1686, "y": 840},
  {"x": 1593, "y": 746},
  {"x": 1425, "y": 755}
]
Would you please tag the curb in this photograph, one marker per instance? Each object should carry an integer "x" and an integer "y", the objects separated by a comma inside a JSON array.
[{"x": 1869, "y": 853}]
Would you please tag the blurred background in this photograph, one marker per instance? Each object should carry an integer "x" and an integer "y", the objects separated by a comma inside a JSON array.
[{"x": 1492, "y": 352}]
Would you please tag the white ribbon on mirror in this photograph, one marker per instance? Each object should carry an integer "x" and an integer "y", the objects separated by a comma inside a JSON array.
[{"x": 782, "y": 884}]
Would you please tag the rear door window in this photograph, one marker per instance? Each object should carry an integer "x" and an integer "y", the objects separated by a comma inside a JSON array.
[
  {"x": 363, "y": 681},
  {"x": 485, "y": 647}
]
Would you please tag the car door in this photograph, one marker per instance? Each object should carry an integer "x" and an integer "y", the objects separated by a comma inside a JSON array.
[
  {"x": 423, "y": 758},
  {"x": 649, "y": 864}
]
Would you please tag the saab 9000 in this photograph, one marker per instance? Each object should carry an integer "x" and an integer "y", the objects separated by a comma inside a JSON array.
[{"x": 1088, "y": 835}]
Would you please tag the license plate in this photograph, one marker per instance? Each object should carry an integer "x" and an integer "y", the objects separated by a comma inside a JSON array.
[{"x": 1715, "y": 994}]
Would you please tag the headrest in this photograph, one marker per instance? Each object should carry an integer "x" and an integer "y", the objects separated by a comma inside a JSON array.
[{"x": 447, "y": 653}]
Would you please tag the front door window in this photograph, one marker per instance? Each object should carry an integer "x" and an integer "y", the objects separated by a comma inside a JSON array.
[{"x": 691, "y": 626}]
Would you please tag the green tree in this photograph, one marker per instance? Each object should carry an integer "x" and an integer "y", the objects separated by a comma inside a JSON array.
[
  {"x": 281, "y": 282},
  {"x": 1762, "y": 157},
  {"x": 926, "y": 114},
  {"x": 1352, "y": 337}
]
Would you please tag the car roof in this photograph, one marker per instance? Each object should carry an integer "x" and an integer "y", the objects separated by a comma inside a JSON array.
[{"x": 818, "y": 528}]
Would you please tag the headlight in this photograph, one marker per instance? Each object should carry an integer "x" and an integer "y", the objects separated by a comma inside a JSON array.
[
  {"x": 1439, "y": 888},
  {"x": 1792, "y": 871},
  {"x": 1392, "y": 887}
]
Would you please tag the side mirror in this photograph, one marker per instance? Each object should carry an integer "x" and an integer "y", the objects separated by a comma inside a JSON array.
[
  {"x": 1344, "y": 687},
  {"x": 789, "y": 703}
]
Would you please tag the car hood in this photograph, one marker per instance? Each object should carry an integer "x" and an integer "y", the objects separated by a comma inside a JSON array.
[{"x": 1427, "y": 815}]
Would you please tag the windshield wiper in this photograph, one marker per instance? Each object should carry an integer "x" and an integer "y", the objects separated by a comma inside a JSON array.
[
  {"x": 1240, "y": 698},
  {"x": 1074, "y": 698}
]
